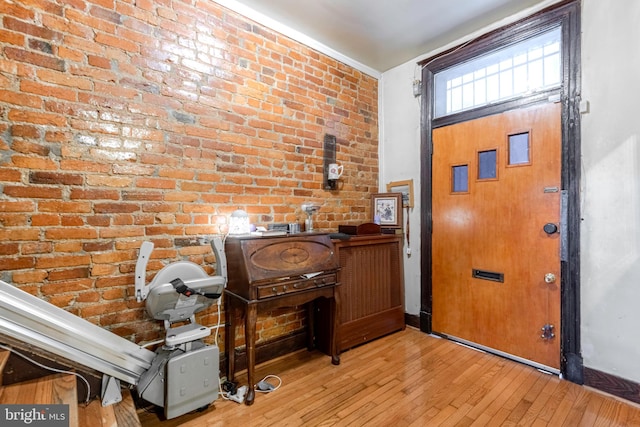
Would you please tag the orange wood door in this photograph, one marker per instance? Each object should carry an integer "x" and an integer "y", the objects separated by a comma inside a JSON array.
[{"x": 491, "y": 253}]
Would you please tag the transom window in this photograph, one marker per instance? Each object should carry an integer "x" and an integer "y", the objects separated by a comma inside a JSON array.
[{"x": 517, "y": 70}]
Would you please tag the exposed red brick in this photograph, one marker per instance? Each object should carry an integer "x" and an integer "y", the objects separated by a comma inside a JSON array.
[
  {"x": 103, "y": 308},
  {"x": 93, "y": 194},
  {"x": 73, "y": 273},
  {"x": 27, "y": 28},
  {"x": 98, "y": 246},
  {"x": 37, "y": 118},
  {"x": 71, "y": 233},
  {"x": 27, "y": 147},
  {"x": 62, "y": 301},
  {"x": 9, "y": 249},
  {"x": 33, "y": 192},
  {"x": 62, "y": 261},
  {"x": 98, "y": 61},
  {"x": 121, "y": 131},
  {"x": 116, "y": 42},
  {"x": 17, "y": 206},
  {"x": 38, "y": 220},
  {"x": 99, "y": 220},
  {"x": 22, "y": 99},
  {"x": 36, "y": 59},
  {"x": 29, "y": 276},
  {"x": 88, "y": 297},
  {"x": 17, "y": 263},
  {"x": 72, "y": 221},
  {"x": 103, "y": 270},
  {"x": 55, "y": 178},
  {"x": 115, "y": 207},
  {"x": 26, "y": 131},
  {"x": 36, "y": 248}
]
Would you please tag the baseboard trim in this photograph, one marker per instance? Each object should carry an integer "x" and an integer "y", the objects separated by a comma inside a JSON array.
[
  {"x": 425, "y": 322},
  {"x": 612, "y": 384},
  {"x": 412, "y": 320},
  {"x": 268, "y": 350}
]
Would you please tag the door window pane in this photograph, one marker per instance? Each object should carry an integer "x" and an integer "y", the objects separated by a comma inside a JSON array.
[
  {"x": 519, "y": 148},
  {"x": 487, "y": 161},
  {"x": 460, "y": 178}
]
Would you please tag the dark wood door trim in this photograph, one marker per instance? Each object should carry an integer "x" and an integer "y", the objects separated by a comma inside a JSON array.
[{"x": 567, "y": 15}]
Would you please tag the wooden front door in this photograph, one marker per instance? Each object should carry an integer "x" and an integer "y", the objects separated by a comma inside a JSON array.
[{"x": 496, "y": 241}]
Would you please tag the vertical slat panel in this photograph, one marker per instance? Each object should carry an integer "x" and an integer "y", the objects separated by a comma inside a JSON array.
[{"x": 367, "y": 276}]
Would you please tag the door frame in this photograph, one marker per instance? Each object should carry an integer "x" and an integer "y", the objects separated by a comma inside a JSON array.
[{"x": 565, "y": 14}]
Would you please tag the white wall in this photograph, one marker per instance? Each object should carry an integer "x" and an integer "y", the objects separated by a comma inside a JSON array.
[
  {"x": 400, "y": 160},
  {"x": 611, "y": 187},
  {"x": 610, "y": 234}
]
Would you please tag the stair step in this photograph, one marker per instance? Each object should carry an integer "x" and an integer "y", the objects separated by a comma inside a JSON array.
[
  {"x": 121, "y": 414},
  {"x": 52, "y": 389}
]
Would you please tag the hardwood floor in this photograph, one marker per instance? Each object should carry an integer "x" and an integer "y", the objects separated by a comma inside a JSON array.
[{"x": 412, "y": 379}]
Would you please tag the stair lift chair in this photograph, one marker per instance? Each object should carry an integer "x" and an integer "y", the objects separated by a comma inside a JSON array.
[{"x": 184, "y": 373}]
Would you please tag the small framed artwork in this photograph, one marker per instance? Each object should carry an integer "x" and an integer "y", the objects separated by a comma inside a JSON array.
[
  {"x": 387, "y": 208},
  {"x": 405, "y": 188}
]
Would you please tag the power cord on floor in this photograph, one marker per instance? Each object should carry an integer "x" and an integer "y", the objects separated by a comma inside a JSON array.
[
  {"x": 264, "y": 386},
  {"x": 49, "y": 368},
  {"x": 229, "y": 390}
]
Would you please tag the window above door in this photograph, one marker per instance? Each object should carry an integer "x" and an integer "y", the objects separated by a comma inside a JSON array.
[{"x": 518, "y": 70}]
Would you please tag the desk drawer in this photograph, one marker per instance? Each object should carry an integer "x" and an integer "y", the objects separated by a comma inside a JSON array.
[{"x": 290, "y": 286}]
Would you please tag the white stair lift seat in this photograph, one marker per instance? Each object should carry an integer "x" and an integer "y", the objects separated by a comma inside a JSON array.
[{"x": 185, "y": 372}]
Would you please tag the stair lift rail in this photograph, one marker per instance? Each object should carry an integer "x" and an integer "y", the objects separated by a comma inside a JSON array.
[{"x": 34, "y": 321}]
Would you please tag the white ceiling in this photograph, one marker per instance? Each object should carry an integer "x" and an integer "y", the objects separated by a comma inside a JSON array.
[{"x": 381, "y": 34}]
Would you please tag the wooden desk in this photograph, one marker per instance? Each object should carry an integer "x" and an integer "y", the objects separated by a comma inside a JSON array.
[{"x": 270, "y": 272}]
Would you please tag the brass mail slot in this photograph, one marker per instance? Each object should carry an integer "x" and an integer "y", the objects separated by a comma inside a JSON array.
[{"x": 488, "y": 275}]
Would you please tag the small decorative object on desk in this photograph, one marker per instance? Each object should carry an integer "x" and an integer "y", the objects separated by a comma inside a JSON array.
[
  {"x": 267, "y": 233},
  {"x": 294, "y": 228}
]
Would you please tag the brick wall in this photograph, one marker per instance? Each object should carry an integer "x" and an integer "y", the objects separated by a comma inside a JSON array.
[{"x": 126, "y": 121}]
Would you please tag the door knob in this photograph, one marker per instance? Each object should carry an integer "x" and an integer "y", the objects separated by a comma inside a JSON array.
[
  {"x": 550, "y": 278},
  {"x": 550, "y": 228}
]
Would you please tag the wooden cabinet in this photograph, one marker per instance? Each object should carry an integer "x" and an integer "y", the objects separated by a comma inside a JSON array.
[{"x": 371, "y": 289}]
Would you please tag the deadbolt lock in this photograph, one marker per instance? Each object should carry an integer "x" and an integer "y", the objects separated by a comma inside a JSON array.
[
  {"x": 550, "y": 228},
  {"x": 550, "y": 278}
]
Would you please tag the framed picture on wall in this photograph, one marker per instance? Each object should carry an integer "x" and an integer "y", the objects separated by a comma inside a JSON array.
[
  {"x": 404, "y": 187},
  {"x": 387, "y": 208}
]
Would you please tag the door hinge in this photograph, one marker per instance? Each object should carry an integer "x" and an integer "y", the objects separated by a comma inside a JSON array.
[{"x": 547, "y": 332}]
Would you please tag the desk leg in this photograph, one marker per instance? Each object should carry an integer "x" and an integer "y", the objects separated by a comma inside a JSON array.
[
  {"x": 250, "y": 339},
  {"x": 230, "y": 338},
  {"x": 334, "y": 308}
]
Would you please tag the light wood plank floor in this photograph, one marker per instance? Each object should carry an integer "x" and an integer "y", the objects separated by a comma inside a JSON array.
[{"x": 412, "y": 379}]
